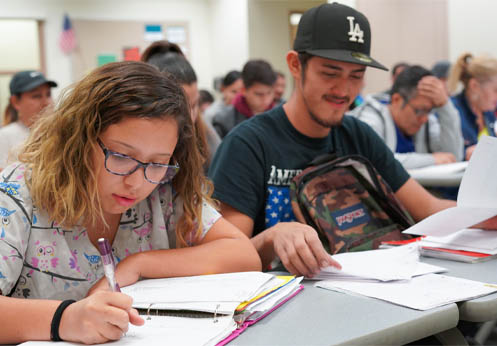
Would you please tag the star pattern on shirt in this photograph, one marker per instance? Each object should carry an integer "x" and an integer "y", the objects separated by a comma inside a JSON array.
[{"x": 278, "y": 206}]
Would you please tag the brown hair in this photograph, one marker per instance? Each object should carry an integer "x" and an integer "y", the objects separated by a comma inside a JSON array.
[
  {"x": 481, "y": 68},
  {"x": 59, "y": 149}
]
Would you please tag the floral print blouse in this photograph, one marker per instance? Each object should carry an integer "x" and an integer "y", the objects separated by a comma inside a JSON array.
[{"x": 39, "y": 259}]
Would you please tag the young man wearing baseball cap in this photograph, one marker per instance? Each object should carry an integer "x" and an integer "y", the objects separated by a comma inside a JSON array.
[
  {"x": 30, "y": 93},
  {"x": 255, "y": 163}
]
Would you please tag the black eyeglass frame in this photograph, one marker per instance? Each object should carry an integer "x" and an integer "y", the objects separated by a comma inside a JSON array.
[{"x": 171, "y": 170}]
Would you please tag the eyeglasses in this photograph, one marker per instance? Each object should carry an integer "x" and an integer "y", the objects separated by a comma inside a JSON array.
[
  {"x": 419, "y": 111},
  {"x": 120, "y": 164}
]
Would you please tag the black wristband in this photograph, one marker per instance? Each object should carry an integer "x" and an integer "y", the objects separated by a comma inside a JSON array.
[{"x": 57, "y": 316}]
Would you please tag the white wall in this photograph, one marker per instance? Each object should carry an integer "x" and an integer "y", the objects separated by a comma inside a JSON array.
[
  {"x": 229, "y": 30},
  {"x": 269, "y": 31},
  {"x": 472, "y": 27},
  {"x": 195, "y": 12}
]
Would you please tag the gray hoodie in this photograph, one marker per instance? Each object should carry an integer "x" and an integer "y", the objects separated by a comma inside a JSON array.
[{"x": 442, "y": 132}]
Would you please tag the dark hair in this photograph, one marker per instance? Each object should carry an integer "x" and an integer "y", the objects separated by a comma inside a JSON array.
[
  {"x": 280, "y": 74},
  {"x": 304, "y": 59},
  {"x": 177, "y": 65},
  {"x": 205, "y": 97},
  {"x": 407, "y": 81},
  {"x": 159, "y": 48},
  {"x": 399, "y": 65},
  {"x": 231, "y": 77},
  {"x": 258, "y": 71}
]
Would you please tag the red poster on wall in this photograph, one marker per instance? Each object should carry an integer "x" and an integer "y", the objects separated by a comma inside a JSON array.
[{"x": 131, "y": 54}]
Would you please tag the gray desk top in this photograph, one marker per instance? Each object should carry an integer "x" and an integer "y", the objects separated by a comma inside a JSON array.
[
  {"x": 480, "y": 309},
  {"x": 321, "y": 317}
]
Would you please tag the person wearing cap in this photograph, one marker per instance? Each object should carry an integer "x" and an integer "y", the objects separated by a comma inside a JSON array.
[
  {"x": 419, "y": 123},
  {"x": 30, "y": 93},
  {"x": 256, "y": 162}
]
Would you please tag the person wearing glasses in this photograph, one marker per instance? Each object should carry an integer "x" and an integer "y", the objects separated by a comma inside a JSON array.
[
  {"x": 116, "y": 158},
  {"x": 419, "y": 124}
]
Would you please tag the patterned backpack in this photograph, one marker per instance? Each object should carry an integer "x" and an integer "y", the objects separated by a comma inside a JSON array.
[{"x": 348, "y": 203}]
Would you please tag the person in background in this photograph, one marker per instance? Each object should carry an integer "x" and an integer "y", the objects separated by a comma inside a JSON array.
[
  {"x": 279, "y": 88},
  {"x": 117, "y": 159},
  {"x": 384, "y": 96},
  {"x": 420, "y": 124},
  {"x": 30, "y": 93},
  {"x": 167, "y": 56},
  {"x": 477, "y": 102},
  {"x": 205, "y": 99},
  {"x": 256, "y": 97},
  {"x": 231, "y": 85},
  {"x": 254, "y": 165}
]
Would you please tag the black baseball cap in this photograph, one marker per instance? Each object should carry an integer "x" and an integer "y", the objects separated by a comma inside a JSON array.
[
  {"x": 338, "y": 32},
  {"x": 28, "y": 80}
]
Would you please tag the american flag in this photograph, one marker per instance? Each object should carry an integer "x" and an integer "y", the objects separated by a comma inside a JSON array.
[
  {"x": 67, "y": 41},
  {"x": 278, "y": 206}
]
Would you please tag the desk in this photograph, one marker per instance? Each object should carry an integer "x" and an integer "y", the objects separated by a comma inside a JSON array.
[
  {"x": 321, "y": 317},
  {"x": 440, "y": 175},
  {"x": 477, "y": 310}
]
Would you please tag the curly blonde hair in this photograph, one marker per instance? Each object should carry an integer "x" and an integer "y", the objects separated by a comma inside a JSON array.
[{"x": 59, "y": 150}]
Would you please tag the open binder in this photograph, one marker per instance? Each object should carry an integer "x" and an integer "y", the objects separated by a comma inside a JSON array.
[
  {"x": 207, "y": 309},
  {"x": 202, "y": 310}
]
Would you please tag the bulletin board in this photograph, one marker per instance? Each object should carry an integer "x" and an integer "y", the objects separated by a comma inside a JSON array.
[{"x": 99, "y": 42}]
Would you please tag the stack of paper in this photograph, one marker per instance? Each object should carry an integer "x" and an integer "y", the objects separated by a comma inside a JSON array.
[
  {"x": 466, "y": 245},
  {"x": 477, "y": 197},
  {"x": 399, "y": 263}
]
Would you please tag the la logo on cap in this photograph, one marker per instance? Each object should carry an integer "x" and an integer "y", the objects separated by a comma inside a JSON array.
[{"x": 355, "y": 32}]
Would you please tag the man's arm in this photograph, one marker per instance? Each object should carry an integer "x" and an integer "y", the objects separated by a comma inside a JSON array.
[
  {"x": 419, "y": 202},
  {"x": 297, "y": 245}
]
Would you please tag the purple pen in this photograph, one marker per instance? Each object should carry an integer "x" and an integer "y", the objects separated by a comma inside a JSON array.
[{"x": 109, "y": 264}]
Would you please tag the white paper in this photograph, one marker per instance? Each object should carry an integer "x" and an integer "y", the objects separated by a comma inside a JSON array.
[
  {"x": 477, "y": 196},
  {"x": 164, "y": 330},
  {"x": 438, "y": 170},
  {"x": 398, "y": 263},
  {"x": 420, "y": 293},
  {"x": 220, "y": 292},
  {"x": 476, "y": 240}
]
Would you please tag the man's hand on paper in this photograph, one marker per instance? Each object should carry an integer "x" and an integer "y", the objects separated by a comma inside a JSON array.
[
  {"x": 488, "y": 225},
  {"x": 299, "y": 248}
]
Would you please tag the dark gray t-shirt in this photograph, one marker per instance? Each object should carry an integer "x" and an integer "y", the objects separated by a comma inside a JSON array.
[{"x": 255, "y": 163}]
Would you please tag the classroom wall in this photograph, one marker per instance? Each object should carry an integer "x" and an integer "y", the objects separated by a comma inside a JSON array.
[
  {"x": 229, "y": 35},
  {"x": 472, "y": 27},
  {"x": 225, "y": 33},
  {"x": 195, "y": 12},
  {"x": 269, "y": 31}
]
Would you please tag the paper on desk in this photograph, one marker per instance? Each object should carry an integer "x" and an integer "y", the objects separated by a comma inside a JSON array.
[
  {"x": 475, "y": 240},
  {"x": 438, "y": 170},
  {"x": 162, "y": 330},
  {"x": 398, "y": 263},
  {"x": 420, "y": 293},
  {"x": 477, "y": 197}
]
